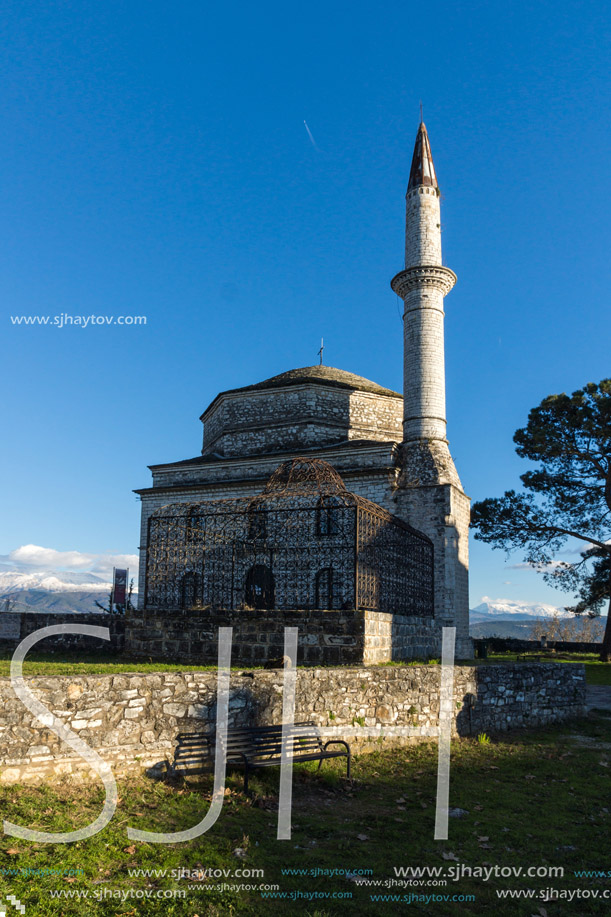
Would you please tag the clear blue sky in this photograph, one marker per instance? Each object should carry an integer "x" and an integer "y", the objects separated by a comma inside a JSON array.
[{"x": 154, "y": 161}]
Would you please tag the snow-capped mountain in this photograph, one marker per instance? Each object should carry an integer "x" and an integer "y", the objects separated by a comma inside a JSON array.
[
  {"x": 507, "y": 608},
  {"x": 13, "y": 581}
]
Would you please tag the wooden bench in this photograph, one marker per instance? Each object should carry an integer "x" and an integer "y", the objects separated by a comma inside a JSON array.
[{"x": 252, "y": 747}]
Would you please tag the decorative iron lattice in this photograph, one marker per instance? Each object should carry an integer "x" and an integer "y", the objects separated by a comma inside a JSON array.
[{"x": 304, "y": 542}]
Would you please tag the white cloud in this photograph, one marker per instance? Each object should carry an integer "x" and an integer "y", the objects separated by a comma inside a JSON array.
[
  {"x": 104, "y": 563},
  {"x": 33, "y": 555},
  {"x": 36, "y": 556}
]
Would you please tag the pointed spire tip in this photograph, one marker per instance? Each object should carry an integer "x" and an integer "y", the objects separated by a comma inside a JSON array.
[{"x": 422, "y": 171}]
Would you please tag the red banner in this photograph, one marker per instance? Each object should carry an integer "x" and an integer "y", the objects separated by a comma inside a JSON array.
[{"x": 119, "y": 587}]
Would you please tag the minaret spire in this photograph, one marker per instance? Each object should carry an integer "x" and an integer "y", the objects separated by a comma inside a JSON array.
[
  {"x": 422, "y": 287},
  {"x": 422, "y": 171}
]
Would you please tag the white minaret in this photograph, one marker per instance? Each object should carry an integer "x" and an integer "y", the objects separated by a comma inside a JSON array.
[
  {"x": 430, "y": 496},
  {"x": 422, "y": 287}
]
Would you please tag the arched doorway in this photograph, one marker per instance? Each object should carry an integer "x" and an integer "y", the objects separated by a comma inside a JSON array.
[{"x": 259, "y": 590}]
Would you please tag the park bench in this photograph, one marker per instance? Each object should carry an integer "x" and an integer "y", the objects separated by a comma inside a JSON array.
[{"x": 253, "y": 747}]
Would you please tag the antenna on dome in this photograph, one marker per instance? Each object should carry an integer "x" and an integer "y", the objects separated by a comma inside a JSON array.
[{"x": 322, "y": 347}]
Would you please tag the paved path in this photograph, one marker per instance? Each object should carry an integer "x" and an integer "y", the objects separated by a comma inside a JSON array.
[{"x": 598, "y": 696}]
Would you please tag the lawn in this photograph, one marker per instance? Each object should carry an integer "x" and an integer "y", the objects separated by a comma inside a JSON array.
[
  {"x": 530, "y": 799},
  {"x": 78, "y": 663}
]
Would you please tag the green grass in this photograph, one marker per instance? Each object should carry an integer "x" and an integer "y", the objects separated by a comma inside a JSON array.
[
  {"x": 532, "y": 798},
  {"x": 78, "y": 663}
]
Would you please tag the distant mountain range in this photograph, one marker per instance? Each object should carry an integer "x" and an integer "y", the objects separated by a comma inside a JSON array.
[
  {"x": 56, "y": 591},
  {"x": 50, "y": 581},
  {"x": 516, "y": 611},
  {"x": 54, "y": 602},
  {"x": 506, "y": 618}
]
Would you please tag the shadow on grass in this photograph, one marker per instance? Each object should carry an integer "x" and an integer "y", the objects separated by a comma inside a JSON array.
[{"x": 530, "y": 798}]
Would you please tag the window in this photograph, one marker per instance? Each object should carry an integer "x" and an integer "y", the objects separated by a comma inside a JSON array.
[
  {"x": 328, "y": 589},
  {"x": 327, "y": 516},
  {"x": 257, "y": 524},
  {"x": 259, "y": 591},
  {"x": 191, "y": 590},
  {"x": 194, "y": 533}
]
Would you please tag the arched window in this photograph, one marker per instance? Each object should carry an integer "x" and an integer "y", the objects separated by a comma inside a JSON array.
[
  {"x": 328, "y": 589},
  {"x": 194, "y": 532},
  {"x": 190, "y": 589},
  {"x": 257, "y": 524},
  {"x": 327, "y": 516},
  {"x": 259, "y": 587}
]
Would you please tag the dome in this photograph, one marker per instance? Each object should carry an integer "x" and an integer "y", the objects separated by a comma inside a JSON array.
[
  {"x": 301, "y": 410},
  {"x": 323, "y": 375}
]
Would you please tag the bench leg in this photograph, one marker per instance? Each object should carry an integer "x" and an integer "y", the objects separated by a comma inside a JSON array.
[{"x": 348, "y": 765}]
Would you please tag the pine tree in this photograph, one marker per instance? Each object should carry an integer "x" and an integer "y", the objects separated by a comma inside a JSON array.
[{"x": 568, "y": 495}]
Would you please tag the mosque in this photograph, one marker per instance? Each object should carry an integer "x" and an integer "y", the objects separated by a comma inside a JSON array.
[{"x": 320, "y": 499}]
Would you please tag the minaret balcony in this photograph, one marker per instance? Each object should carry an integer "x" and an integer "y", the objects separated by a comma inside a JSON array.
[{"x": 414, "y": 278}]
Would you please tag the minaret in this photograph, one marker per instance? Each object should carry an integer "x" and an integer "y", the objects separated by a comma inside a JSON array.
[
  {"x": 430, "y": 496},
  {"x": 422, "y": 286}
]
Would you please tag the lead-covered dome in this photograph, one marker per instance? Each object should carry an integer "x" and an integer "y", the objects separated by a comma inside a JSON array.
[{"x": 301, "y": 409}]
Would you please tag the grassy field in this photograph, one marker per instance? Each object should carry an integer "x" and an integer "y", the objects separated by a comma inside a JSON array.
[
  {"x": 597, "y": 672},
  {"x": 77, "y": 663},
  {"x": 530, "y": 799}
]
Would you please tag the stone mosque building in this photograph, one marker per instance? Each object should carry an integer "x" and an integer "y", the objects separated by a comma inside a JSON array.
[{"x": 320, "y": 500}]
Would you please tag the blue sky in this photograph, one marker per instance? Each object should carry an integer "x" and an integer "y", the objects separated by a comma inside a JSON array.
[{"x": 154, "y": 161}]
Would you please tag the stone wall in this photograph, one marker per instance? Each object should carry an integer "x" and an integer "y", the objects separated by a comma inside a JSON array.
[
  {"x": 21, "y": 624},
  {"x": 515, "y": 645},
  {"x": 422, "y": 227},
  {"x": 132, "y": 720},
  {"x": 431, "y": 497},
  {"x": 298, "y": 417},
  {"x": 325, "y": 637}
]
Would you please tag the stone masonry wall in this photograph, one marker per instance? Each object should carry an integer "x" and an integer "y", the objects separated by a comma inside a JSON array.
[
  {"x": 422, "y": 227},
  {"x": 132, "y": 720},
  {"x": 424, "y": 410},
  {"x": 442, "y": 512},
  {"x": 298, "y": 417},
  {"x": 325, "y": 637},
  {"x": 15, "y": 626}
]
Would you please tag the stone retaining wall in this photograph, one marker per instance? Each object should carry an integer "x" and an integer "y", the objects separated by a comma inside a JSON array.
[
  {"x": 132, "y": 720},
  {"x": 14, "y": 626},
  {"x": 325, "y": 637},
  {"x": 515, "y": 645}
]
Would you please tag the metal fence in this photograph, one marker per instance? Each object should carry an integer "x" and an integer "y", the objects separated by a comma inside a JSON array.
[{"x": 305, "y": 542}]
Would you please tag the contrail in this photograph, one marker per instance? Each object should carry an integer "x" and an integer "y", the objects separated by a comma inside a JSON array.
[{"x": 313, "y": 142}]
